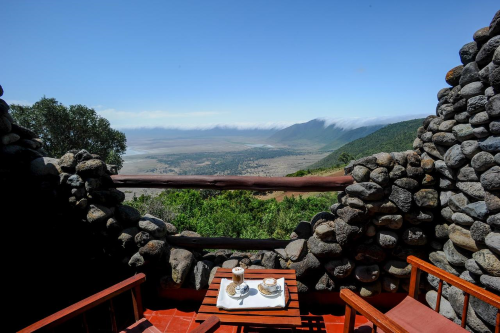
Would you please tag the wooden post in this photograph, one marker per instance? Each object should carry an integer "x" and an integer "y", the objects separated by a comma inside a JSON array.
[
  {"x": 350, "y": 316},
  {"x": 137, "y": 302},
  {"x": 464, "y": 310},
  {"x": 112, "y": 314},
  {"x": 414, "y": 282},
  {"x": 497, "y": 327},
  {"x": 85, "y": 323},
  {"x": 438, "y": 300}
]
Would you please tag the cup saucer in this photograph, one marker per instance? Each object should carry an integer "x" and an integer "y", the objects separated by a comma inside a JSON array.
[
  {"x": 269, "y": 294},
  {"x": 240, "y": 293}
]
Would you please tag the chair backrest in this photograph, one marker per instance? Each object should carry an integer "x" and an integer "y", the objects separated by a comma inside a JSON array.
[
  {"x": 133, "y": 284},
  {"x": 419, "y": 265}
]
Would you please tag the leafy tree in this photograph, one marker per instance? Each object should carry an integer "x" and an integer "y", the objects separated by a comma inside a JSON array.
[
  {"x": 345, "y": 158},
  {"x": 64, "y": 128}
]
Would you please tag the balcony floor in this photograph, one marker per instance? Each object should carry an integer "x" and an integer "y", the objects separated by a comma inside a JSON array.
[{"x": 181, "y": 320}]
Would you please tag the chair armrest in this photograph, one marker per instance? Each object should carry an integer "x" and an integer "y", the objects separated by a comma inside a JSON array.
[
  {"x": 86, "y": 304},
  {"x": 209, "y": 325},
  {"x": 463, "y": 285},
  {"x": 369, "y": 312}
]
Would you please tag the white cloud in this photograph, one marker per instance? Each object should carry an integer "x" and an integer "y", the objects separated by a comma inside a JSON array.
[
  {"x": 234, "y": 125},
  {"x": 123, "y": 115},
  {"x": 356, "y": 122}
]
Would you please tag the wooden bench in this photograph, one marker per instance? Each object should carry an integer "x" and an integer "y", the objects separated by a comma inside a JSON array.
[
  {"x": 141, "y": 324},
  {"x": 412, "y": 316}
]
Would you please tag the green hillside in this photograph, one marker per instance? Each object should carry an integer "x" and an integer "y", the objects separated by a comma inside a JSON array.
[
  {"x": 393, "y": 137},
  {"x": 314, "y": 131}
]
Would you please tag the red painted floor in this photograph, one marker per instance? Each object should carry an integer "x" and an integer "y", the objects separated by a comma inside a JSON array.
[{"x": 182, "y": 320}]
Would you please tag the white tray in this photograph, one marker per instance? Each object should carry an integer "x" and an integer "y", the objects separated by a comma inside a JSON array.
[{"x": 253, "y": 300}]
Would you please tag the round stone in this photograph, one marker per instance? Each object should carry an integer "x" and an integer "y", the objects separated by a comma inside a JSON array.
[
  {"x": 366, "y": 191},
  {"x": 367, "y": 273},
  {"x": 153, "y": 225},
  {"x": 468, "y": 52},
  {"x": 495, "y": 127},
  {"x": 470, "y": 74},
  {"x": 472, "y": 189},
  {"x": 470, "y": 148},
  {"x": 492, "y": 241},
  {"x": 369, "y": 290},
  {"x": 341, "y": 268},
  {"x": 477, "y": 210},
  {"x": 472, "y": 89},
  {"x": 444, "y": 139},
  {"x": 427, "y": 198},
  {"x": 369, "y": 253},
  {"x": 407, "y": 183},
  {"x": 414, "y": 236},
  {"x": 490, "y": 282},
  {"x": 445, "y": 308},
  {"x": 386, "y": 239},
  {"x": 390, "y": 284},
  {"x": 485, "y": 54},
  {"x": 467, "y": 174},
  {"x": 380, "y": 176},
  {"x": 491, "y": 144},
  {"x": 481, "y": 35},
  {"x": 472, "y": 266},
  {"x": 476, "y": 104},
  {"x": 323, "y": 250},
  {"x": 361, "y": 174},
  {"x": 493, "y": 106},
  {"x": 488, "y": 261},
  {"x": 461, "y": 237},
  {"x": 490, "y": 180},
  {"x": 397, "y": 172},
  {"x": 480, "y": 118},
  {"x": 384, "y": 160},
  {"x": 455, "y": 255},
  {"x": 463, "y": 132},
  {"x": 401, "y": 198},
  {"x": 454, "y": 158},
  {"x": 480, "y": 132},
  {"x": 462, "y": 219},
  {"x": 438, "y": 258},
  {"x": 398, "y": 268},
  {"x": 453, "y": 75},
  {"x": 447, "y": 213}
]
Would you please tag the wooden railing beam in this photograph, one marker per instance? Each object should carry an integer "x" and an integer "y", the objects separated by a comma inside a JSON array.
[
  {"x": 226, "y": 243},
  {"x": 296, "y": 184}
]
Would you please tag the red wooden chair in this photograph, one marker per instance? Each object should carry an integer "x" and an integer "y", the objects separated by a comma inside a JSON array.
[
  {"x": 141, "y": 324},
  {"x": 412, "y": 316}
]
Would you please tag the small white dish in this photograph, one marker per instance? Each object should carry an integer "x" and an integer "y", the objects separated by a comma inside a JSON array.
[
  {"x": 273, "y": 294},
  {"x": 246, "y": 291}
]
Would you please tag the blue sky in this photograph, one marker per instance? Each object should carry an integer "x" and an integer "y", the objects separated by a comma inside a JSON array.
[{"x": 246, "y": 63}]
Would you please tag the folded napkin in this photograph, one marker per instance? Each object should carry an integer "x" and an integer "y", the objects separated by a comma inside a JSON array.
[{"x": 253, "y": 300}]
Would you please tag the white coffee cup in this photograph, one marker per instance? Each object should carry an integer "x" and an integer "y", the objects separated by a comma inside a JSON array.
[{"x": 270, "y": 284}]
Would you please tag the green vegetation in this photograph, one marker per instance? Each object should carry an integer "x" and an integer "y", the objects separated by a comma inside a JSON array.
[
  {"x": 394, "y": 137},
  {"x": 64, "y": 128},
  {"x": 232, "y": 213}
]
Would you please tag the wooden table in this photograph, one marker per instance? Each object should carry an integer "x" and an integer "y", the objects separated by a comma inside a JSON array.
[{"x": 287, "y": 317}]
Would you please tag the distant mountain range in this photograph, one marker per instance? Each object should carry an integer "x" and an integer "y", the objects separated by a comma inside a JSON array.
[
  {"x": 389, "y": 138},
  {"x": 322, "y": 134},
  {"x": 174, "y": 133},
  {"x": 315, "y": 131}
]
